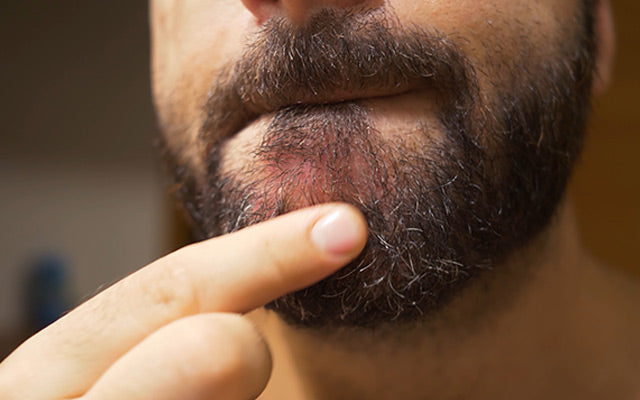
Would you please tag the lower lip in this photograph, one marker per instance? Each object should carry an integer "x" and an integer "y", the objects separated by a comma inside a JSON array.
[{"x": 399, "y": 115}]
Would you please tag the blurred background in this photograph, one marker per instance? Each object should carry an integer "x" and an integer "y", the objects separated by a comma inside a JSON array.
[{"x": 82, "y": 199}]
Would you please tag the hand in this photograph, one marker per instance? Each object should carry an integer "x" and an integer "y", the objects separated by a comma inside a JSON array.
[{"x": 174, "y": 329}]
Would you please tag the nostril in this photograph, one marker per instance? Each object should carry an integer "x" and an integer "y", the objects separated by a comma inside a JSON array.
[
  {"x": 262, "y": 10},
  {"x": 297, "y": 11}
]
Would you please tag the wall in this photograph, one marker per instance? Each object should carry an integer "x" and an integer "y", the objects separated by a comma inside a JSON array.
[
  {"x": 78, "y": 175},
  {"x": 606, "y": 186}
]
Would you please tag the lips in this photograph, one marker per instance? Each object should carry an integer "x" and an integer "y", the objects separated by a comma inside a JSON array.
[
  {"x": 251, "y": 104},
  {"x": 263, "y": 104},
  {"x": 332, "y": 59}
]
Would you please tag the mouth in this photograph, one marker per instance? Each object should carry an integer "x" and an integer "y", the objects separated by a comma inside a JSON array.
[
  {"x": 263, "y": 105},
  {"x": 334, "y": 58},
  {"x": 249, "y": 106}
]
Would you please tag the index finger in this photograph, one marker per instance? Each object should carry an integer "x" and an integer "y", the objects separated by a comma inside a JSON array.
[{"x": 232, "y": 273}]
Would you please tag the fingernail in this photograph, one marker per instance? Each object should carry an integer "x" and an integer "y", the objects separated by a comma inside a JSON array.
[{"x": 337, "y": 233}]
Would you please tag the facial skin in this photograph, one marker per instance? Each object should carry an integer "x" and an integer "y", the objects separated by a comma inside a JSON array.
[{"x": 458, "y": 157}]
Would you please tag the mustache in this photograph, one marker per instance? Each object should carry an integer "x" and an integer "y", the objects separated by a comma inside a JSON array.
[{"x": 336, "y": 56}]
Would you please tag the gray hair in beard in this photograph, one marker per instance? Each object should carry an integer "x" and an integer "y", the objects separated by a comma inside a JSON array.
[{"x": 438, "y": 216}]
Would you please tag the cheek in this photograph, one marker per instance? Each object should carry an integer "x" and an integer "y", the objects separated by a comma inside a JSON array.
[
  {"x": 483, "y": 26},
  {"x": 498, "y": 36},
  {"x": 191, "y": 41}
]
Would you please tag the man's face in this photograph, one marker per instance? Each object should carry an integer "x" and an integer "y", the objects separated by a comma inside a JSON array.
[{"x": 452, "y": 125}]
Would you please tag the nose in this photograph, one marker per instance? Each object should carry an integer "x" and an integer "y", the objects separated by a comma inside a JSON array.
[{"x": 296, "y": 11}]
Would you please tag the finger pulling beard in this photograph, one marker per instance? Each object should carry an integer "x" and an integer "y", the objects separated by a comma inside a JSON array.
[{"x": 416, "y": 257}]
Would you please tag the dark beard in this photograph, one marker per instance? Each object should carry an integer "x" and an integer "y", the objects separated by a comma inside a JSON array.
[{"x": 439, "y": 214}]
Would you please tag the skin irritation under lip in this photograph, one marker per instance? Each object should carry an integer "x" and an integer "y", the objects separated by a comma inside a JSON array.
[
  {"x": 305, "y": 180},
  {"x": 321, "y": 176}
]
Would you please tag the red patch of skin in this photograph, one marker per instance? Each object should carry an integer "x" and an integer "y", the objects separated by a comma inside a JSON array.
[{"x": 325, "y": 176}]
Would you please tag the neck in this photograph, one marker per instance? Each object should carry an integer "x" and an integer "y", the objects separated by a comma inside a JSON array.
[{"x": 549, "y": 326}]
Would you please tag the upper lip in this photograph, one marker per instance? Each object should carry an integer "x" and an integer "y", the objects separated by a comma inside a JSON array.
[{"x": 337, "y": 96}]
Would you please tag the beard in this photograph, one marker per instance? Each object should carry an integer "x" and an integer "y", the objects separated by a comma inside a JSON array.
[{"x": 444, "y": 203}]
